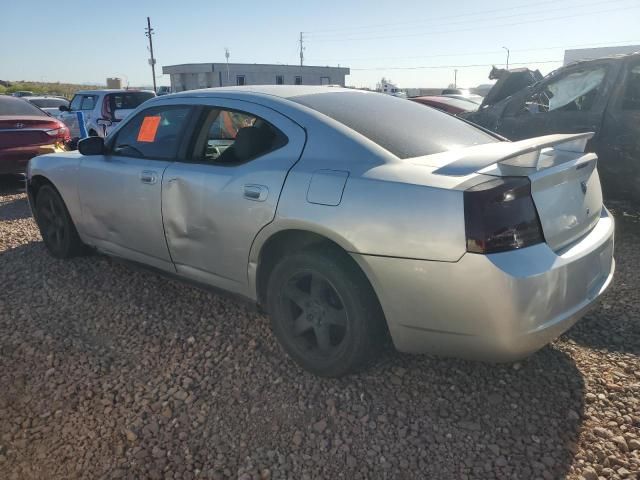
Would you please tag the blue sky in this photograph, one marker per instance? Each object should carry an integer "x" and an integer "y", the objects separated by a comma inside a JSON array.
[{"x": 78, "y": 41}]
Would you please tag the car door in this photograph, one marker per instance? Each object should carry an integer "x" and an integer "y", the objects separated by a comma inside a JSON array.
[
  {"x": 120, "y": 191},
  {"x": 572, "y": 101},
  {"x": 619, "y": 153},
  {"x": 214, "y": 205}
]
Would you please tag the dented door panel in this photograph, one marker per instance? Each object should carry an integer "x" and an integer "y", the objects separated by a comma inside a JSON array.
[
  {"x": 212, "y": 212},
  {"x": 121, "y": 209}
]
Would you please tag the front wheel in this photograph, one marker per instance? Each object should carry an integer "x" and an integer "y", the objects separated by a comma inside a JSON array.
[
  {"x": 56, "y": 227},
  {"x": 324, "y": 312}
]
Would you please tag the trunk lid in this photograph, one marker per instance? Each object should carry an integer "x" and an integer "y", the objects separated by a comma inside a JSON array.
[
  {"x": 23, "y": 131},
  {"x": 564, "y": 180}
]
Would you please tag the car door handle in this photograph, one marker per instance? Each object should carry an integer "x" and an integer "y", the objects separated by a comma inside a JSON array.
[
  {"x": 257, "y": 193},
  {"x": 148, "y": 176}
]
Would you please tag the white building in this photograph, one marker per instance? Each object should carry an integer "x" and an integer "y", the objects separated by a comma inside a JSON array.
[
  {"x": 191, "y": 76},
  {"x": 571, "y": 56}
]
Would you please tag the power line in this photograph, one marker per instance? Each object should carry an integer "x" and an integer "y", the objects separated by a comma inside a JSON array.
[
  {"x": 454, "y": 66},
  {"x": 486, "y": 52},
  {"x": 484, "y": 27},
  {"x": 476, "y": 13}
]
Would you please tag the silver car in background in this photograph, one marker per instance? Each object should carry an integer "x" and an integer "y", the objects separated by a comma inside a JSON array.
[{"x": 346, "y": 215}]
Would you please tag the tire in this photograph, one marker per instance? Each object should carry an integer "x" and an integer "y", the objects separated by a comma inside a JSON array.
[
  {"x": 324, "y": 312},
  {"x": 56, "y": 227}
]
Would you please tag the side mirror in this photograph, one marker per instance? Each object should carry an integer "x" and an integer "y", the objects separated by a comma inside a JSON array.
[
  {"x": 64, "y": 108},
  {"x": 91, "y": 146}
]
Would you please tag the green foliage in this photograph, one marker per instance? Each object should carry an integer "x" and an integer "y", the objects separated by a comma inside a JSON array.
[{"x": 43, "y": 88}]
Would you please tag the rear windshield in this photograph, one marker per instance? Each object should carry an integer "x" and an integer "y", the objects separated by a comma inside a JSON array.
[
  {"x": 18, "y": 106},
  {"x": 128, "y": 100},
  {"x": 404, "y": 128},
  {"x": 48, "y": 102}
]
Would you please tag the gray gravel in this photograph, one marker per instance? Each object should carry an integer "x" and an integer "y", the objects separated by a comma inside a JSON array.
[{"x": 109, "y": 372}]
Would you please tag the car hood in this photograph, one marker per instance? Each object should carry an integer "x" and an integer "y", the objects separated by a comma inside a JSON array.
[{"x": 510, "y": 82}]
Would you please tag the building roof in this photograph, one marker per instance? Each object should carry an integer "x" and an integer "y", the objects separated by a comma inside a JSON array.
[
  {"x": 282, "y": 91},
  {"x": 213, "y": 67}
]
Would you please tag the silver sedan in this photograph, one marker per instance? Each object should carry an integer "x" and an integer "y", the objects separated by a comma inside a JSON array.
[{"x": 348, "y": 216}]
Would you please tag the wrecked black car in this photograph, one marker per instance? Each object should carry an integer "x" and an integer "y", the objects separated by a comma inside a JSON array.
[{"x": 601, "y": 96}]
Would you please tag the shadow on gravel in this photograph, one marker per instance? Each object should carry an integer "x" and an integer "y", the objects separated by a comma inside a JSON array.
[
  {"x": 509, "y": 421},
  {"x": 11, "y": 184},
  {"x": 177, "y": 359},
  {"x": 613, "y": 325},
  {"x": 15, "y": 209}
]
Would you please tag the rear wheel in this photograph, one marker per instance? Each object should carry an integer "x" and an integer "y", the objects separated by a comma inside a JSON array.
[
  {"x": 56, "y": 227},
  {"x": 324, "y": 312}
]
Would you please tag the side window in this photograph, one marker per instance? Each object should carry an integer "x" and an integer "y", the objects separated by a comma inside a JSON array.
[
  {"x": 631, "y": 98},
  {"x": 76, "y": 102},
  {"x": 576, "y": 91},
  {"x": 231, "y": 137},
  {"x": 154, "y": 133},
  {"x": 88, "y": 102}
]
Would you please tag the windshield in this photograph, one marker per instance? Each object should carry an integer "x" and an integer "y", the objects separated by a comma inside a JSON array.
[
  {"x": 16, "y": 107},
  {"x": 404, "y": 128},
  {"x": 48, "y": 102}
]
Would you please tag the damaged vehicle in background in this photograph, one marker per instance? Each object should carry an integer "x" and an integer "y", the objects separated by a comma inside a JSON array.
[{"x": 600, "y": 96}]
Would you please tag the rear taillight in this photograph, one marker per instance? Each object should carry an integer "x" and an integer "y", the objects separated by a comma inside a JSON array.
[
  {"x": 500, "y": 215},
  {"x": 61, "y": 133}
]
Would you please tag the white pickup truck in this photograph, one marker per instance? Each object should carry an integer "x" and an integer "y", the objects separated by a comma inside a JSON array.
[{"x": 101, "y": 109}]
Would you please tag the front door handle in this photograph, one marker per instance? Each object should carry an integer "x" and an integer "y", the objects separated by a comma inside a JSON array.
[
  {"x": 257, "y": 193},
  {"x": 149, "y": 176}
]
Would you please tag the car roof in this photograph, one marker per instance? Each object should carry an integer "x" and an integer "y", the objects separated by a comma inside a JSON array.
[
  {"x": 111, "y": 90},
  {"x": 47, "y": 97}
]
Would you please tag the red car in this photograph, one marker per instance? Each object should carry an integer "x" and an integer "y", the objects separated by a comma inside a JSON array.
[
  {"x": 26, "y": 131},
  {"x": 452, "y": 105}
]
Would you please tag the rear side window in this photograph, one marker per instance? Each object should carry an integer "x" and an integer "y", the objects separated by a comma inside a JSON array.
[
  {"x": 404, "y": 128},
  {"x": 128, "y": 100},
  {"x": 230, "y": 137},
  {"x": 154, "y": 133},
  {"x": 17, "y": 106}
]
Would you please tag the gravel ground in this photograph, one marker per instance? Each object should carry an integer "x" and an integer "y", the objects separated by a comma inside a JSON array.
[{"x": 109, "y": 372}]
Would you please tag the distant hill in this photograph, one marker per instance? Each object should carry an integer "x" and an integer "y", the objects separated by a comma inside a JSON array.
[{"x": 44, "y": 88}]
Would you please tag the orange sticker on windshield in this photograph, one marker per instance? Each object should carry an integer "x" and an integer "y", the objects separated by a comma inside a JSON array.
[{"x": 148, "y": 129}]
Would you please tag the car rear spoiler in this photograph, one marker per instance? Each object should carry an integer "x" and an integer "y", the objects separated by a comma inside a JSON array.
[{"x": 520, "y": 154}]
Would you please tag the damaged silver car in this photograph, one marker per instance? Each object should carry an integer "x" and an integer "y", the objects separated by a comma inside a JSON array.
[{"x": 344, "y": 228}]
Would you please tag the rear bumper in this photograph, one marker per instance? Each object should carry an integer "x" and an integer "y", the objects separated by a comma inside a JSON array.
[
  {"x": 498, "y": 307},
  {"x": 14, "y": 160}
]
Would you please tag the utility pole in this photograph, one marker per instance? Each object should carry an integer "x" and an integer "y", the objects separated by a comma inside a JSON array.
[
  {"x": 152, "y": 60},
  {"x": 301, "y": 50},
  {"x": 455, "y": 78},
  {"x": 507, "y": 57},
  {"x": 226, "y": 55}
]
